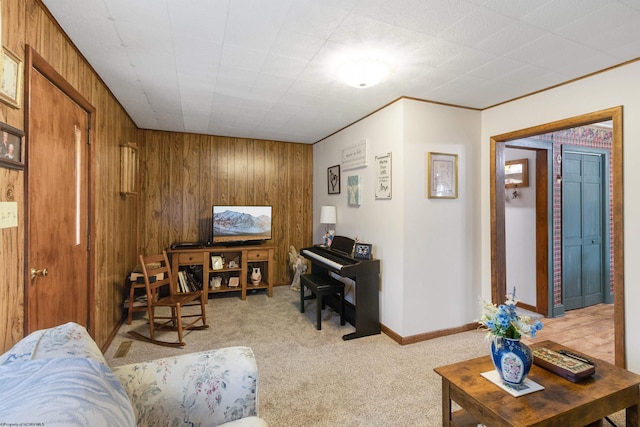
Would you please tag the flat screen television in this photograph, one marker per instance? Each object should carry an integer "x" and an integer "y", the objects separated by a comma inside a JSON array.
[{"x": 238, "y": 225}]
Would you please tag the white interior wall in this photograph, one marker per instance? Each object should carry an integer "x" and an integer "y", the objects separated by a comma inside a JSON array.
[
  {"x": 441, "y": 272},
  {"x": 436, "y": 254},
  {"x": 520, "y": 232},
  {"x": 616, "y": 87},
  {"x": 426, "y": 246},
  {"x": 374, "y": 221}
]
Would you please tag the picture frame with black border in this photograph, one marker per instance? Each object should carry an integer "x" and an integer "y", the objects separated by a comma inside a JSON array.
[
  {"x": 362, "y": 251},
  {"x": 11, "y": 147},
  {"x": 333, "y": 179}
]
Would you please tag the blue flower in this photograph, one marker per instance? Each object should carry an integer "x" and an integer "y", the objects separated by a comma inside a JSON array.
[{"x": 503, "y": 321}]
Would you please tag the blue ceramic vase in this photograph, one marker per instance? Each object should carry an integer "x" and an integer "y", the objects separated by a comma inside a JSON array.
[{"x": 512, "y": 360}]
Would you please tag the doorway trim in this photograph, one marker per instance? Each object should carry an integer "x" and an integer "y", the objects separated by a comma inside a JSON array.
[
  {"x": 543, "y": 167},
  {"x": 497, "y": 205},
  {"x": 36, "y": 63}
]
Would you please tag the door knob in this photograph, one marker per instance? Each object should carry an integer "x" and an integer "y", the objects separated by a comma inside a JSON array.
[{"x": 39, "y": 273}]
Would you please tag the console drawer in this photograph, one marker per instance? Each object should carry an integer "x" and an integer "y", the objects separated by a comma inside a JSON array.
[
  {"x": 258, "y": 255},
  {"x": 195, "y": 258}
]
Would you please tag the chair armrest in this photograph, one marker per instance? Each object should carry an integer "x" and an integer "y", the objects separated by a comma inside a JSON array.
[
  {"x": 67, "y": 340},
  {"x": 207, "y": 388}
]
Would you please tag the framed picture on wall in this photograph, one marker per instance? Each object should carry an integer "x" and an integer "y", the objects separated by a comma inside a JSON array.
[
  {"x": 383, "y": 176},
  {"x": 516, "y": 173},
  {"x": 353, "y": 190},
  {"x": 333, "y": 179},
  {"x": 442, "y": 176},
  {"x": 11, "y": 82},
  {"x": 355, "y": 156},
  {"x": 11, "y": 147}
]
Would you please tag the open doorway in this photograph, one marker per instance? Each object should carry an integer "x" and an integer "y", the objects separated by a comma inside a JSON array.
[
  {"x": 527, "y": 219},
  {"x": 544, "y": 260}
]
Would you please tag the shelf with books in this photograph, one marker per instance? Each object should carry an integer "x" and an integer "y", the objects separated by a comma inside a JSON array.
[
  {"x": 226, "y": 269},
  {"x": 188, "y": 281}
]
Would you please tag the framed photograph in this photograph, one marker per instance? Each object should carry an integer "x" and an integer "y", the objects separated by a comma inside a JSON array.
[
  {"x": 353, "y": 190},
  {"x": 11, "y": 82},
  {"x": 362, "y": 251},
  {"x": 383, "y": 176},
  {"x": 442, "y": 176},
  {"x": 333, "y": 179},
  {"x": 516, "y": 173},
  {"x": 11, "y": 147}
]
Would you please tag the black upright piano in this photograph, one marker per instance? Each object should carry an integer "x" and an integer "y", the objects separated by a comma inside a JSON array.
[{"x": 365, "y": 315}]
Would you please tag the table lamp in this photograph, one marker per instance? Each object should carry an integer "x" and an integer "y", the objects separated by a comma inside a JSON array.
[{"x": 328, "y": 217}]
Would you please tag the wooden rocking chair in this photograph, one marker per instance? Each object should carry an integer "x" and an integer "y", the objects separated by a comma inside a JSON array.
[{"x": 162, "y": 291}]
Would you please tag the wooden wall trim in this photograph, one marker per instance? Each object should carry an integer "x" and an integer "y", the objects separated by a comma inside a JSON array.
[
  {"x": 497, "y": 268},
  {"x": 427, "y": 335}
]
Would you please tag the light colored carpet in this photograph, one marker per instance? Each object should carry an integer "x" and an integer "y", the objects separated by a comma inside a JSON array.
[{"x": 314, "y": 378}]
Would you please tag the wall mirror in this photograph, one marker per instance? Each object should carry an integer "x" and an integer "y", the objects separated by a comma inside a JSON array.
[{"x": 516, "y": 173}]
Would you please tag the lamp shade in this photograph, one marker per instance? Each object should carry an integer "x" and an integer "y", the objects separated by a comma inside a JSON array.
[{"x": 328, "y": 215}]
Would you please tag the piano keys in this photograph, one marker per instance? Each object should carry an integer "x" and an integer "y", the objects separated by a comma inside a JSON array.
[
  {"x": 325, "y": 256},
  {"x": 337, "y": 259}
]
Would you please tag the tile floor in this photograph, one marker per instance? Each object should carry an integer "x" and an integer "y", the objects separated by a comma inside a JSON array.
[{"x": 588, "y": 330}]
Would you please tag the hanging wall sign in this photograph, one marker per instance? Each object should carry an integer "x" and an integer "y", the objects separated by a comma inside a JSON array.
[
  {"x": 355, "y": 156},
  {"x": 383, "y": 176}
]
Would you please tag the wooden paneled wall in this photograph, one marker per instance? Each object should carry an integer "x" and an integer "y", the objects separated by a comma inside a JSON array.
[
  {"x": 183, "y": 175},
  {"x": 27, "y": 23}
]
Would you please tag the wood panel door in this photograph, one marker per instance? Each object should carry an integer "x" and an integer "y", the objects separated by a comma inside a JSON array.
[
  {"x": 58, "y": 199},
  {"x": 582, "y": 229}
]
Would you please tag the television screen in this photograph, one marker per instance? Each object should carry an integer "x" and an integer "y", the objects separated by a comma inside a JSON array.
[{"x": 240, "y": 224}]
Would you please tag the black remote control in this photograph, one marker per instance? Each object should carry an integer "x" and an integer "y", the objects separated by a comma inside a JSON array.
[{"x": 576, "y": 356}]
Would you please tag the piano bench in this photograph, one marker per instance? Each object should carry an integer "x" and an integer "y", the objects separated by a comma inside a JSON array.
[{"x": 321, "y": 285}]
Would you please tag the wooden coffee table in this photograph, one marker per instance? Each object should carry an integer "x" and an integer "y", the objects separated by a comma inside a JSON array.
[{"x": 561, "y": 403}]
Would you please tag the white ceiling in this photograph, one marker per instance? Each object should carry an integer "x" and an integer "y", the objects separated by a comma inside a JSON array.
[{"x": 266, "y": 68}]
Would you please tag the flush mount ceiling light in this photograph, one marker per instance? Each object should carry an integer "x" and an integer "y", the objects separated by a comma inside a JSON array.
[{"x": 364, "y": 72}]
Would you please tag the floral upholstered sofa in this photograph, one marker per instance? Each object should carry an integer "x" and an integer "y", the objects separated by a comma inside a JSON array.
[{"x": 59, "y": 377}]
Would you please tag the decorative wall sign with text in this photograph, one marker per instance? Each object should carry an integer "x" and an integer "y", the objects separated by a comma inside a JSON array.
[
  {"x": 355, "y": 156},
  {"x": 383, "y": 176}
]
